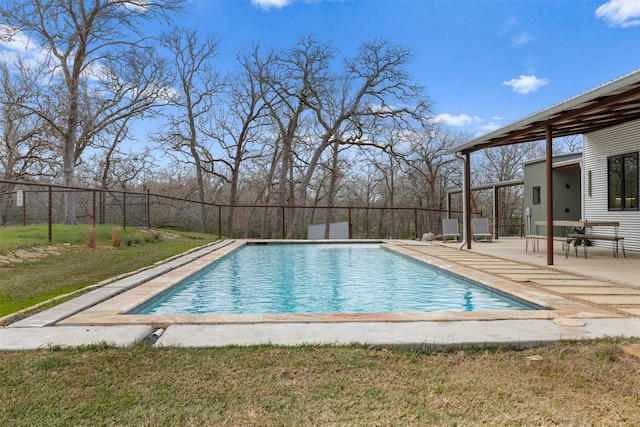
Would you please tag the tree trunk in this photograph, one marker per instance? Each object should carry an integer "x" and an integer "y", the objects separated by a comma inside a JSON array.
[{"x": 333, "y": 183}]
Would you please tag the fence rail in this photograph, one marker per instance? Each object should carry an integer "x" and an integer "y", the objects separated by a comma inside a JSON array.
[
  {"x": 509, "y": 226},
  {"x": 27, "y": 203}
]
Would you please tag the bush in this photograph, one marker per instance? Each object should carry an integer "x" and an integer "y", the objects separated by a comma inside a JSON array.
[
  {"x": 116, "y": 237},
  {"x": 92, "y": 237},
  {"x": 132, "y": 240}
]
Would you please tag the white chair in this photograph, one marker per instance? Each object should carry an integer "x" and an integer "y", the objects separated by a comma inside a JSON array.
[
  {"x": 480, "y": 229},
  {"x": 450, "y": 229}
]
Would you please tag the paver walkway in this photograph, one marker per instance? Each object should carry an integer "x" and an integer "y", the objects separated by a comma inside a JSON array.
[{"x": 610, "y": 295}]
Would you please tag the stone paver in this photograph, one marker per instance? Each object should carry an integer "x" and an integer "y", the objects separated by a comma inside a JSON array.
[
  {"x": 613, "y": 299},
  {"x": 593, "y": 290}
]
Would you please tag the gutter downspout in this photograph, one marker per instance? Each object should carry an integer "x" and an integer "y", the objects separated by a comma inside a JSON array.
[{"x": 464, "y": 201}]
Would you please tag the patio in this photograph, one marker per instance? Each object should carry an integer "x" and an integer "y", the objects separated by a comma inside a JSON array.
[{"x": 601, "y": 264}]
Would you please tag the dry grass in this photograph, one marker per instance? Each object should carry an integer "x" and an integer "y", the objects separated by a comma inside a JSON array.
[
  {"x": 116, "y": 237},
  {"x": 575, "y": 384},
  {"x": 92, "y": 237}
]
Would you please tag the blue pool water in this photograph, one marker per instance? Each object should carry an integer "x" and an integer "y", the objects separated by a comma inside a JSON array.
[{"x": 324, "y": 278}]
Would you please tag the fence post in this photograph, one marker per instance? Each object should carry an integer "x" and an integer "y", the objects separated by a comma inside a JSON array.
[
  {"x": 283, "y": 233},
  {"x": 124, "y": 210},
  {"x": 94, "y": 207},
  {"x": 148, "y": 208},
  {"x": 415, "y": 222},
  {"x": 24, "y": 208},
  {"x": 219, "y": 222},
  {"x": 50, "y": 213},
  {"x": 350, "y": 225}
]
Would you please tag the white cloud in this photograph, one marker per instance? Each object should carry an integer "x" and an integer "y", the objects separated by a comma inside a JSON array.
[
  {"x": 512, "y": 28},
  {"x": 521, "y": 39},
  {"x": 459, "y": 120},
  {"x": 268, "y": 4},
  {"x": 490, "y": 127},
  {"x": 620, "y": 13},
  {"x": 474, "y": 124},
  {"x": 526, "y": 84},
  {"x": 14, "y": 42}
]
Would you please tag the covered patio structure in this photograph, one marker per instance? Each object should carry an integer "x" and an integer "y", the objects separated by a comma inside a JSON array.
[{"x": 611, "y": 104}]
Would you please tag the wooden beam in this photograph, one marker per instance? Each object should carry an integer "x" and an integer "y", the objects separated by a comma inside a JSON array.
[
  {"x": 574, "y": 119},
  {"x": 467, "y": 211},
  {"x": 549, "y": 167}
]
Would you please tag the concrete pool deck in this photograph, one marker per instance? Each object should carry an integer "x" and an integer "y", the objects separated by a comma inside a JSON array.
[{"x": 585, "y": 303}]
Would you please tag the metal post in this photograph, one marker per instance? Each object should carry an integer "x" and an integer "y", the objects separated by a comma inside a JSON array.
[
  {"x": 496, "y": 212},
  {"x": 124, "y": 211},
  {"x": 549, "y": 160},
  {"x": 219, "y": 222},
  {"x": 148, "y": 208},
  {"x": 50, "y": 215},
  {"x": 350, "y": 225},
  {"x": 94, "y": 207},
  {"x": 415, "y": 222},
  {"x": 467, "y": 209},
  {"x": 283, "y": 233},
  {"x": 24, "y": 208}
]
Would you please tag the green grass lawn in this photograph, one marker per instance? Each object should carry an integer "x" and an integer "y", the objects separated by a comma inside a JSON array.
[
  {"x": 76, "y": 265},
  {"x": 579, "y": 384},
  {"x": 567, "y": 384}
]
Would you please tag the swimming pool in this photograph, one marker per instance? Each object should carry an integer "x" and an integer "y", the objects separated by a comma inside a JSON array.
[{"x": 292, "y": 278}]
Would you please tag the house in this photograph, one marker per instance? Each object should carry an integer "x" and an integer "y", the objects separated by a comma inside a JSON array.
[
  {"x": 608, "y": 117},
  {"x": 567, "y": 191}
]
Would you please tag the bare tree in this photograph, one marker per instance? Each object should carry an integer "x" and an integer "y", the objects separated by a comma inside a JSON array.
[
  {"x": 567, "y": 144},
  {"x": 283, "y": 77},
  {"x": 240, "y": 125},
  {"x": 431, "y": 170},
  {"x": 373, "y": 88},
  {"x": 197, "y": 82},
  {"x": 81, "y": 37},
  {"x": 501, "y": 164},
  {"x": 25, "y": 148}
]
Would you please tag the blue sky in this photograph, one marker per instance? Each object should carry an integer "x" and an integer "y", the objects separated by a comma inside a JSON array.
[{"x": 484, "y": 63}]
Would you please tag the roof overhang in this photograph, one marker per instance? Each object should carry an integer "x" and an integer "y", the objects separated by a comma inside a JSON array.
[{"x": 608, "y": 105}]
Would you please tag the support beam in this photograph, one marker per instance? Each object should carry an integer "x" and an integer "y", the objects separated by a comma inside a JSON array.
[
  {"x": 496, "y": 212},
  {"x": 549, "y": 165},
  {"x": 467, "y": 201}
]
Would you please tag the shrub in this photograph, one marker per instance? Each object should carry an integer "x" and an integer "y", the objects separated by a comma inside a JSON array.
[
  {"x": 132, "y": 240},
  {"x": 92, "y": 237},
  {"x": 116, "y": 237}
]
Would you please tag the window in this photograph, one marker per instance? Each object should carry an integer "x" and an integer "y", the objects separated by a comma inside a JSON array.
[
  {"x": 536, "y": 195},
  {"x": 622, "y": 172}
]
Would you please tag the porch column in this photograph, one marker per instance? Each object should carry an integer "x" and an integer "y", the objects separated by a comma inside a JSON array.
[
  {"x": 467, "y": 200},
  {"x": 496, "y": 211},
  {"x": 549, "y": 161}
]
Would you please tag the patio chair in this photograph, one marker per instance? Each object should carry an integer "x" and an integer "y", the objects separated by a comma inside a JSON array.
[
  {"x": 480, "y": 229},
  {"x": 450, "y": 229}
]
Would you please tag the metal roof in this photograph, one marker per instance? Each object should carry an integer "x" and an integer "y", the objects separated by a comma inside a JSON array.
[{"x": 608, "y": 105}]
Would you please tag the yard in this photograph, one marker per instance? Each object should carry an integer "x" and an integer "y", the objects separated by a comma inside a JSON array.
[{"x": 583, "y": 383}]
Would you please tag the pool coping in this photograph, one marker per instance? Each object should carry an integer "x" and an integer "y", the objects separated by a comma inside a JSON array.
[{"x": 108, "y": 305}]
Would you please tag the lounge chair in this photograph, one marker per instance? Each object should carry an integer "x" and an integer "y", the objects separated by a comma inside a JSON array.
[
  {"x": 480, "y": 229},
  {"x": 450, "y": 229}
]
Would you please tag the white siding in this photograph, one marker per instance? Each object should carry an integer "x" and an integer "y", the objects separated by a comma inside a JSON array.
[{"x": 597, "y": 146}]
